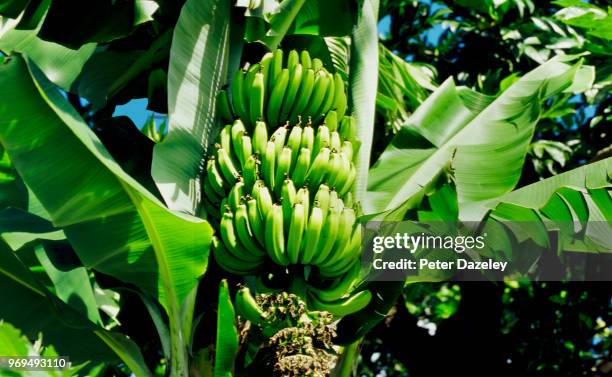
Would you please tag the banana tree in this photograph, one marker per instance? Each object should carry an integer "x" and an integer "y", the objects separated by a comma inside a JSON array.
[{"x": 256, "y": 191}]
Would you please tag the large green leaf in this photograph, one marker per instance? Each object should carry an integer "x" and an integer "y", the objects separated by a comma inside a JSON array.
[
  {"x": 281, "y": 20},
  {"x": 227, "y": 334},
  {"x": 12, "y": 191},
  {"x": 480, "y": 142},
  {"x": 113, "y": 223},
  {"x": 34, "y": 310},
  {"x": 363, "y": 86},
  {"x": 198, "y": 65},
  {"x": 62, "y": 65}
]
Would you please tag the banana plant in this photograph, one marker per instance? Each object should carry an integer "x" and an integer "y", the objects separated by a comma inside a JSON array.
[{"x": 237, "y": 240}]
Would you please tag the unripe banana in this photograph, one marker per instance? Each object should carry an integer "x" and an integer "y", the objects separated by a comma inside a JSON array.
[
  {"x": 245, "y": 233},
  {"x": 211, "y": 209},
  {"x": 288, "y": 194},
  {"x": 303, "y": 197},
  {"x": 246, "y": 149},
  {"x": 335, "y": 201},
  {"x": 278, "y": 137},
  {"x": 342, "y": 307},
  {"x": 293, "y": 59},
  {"x": 283, "y": 168},
  {"x": 260, "y": 137},
  {"x": 296, "y": 231},
  {"x": 350, "y": 253},
  {"x": 268, "y": 165},
  {"x": 311, "y": 238},
  {"x": 318, "y": 168},
  {"x": 247, "y": 90},
  {"x": 230, "y": 241},
  {"x": 276, "y": 68},
  {"x": 261, "y": 193},
  {"x": 237, "y": 97},
  {"x": 335, "y": 141},
  {"x": 255, "y": 220},
  {"x": 235, "y": 195},
  {"x": 339, "y": 96},
  {"x": 322, "y": 197},
  {"x": 347, "y": 149},
  {"x": 224, "y": 108},
  {"x": 215, "y": 179},
  {"x": 341, "y": 285},
  {"x": 331, "y": 121},
  {"x": 345, "y": 231},
  {"x": 301, "y": 167},
  {"x": 225, "y": 138},
  {"x": 327, "y": 102},
  {"x": 277, "y": 96},
  {"x": 317, "y": 64},
  {"x": 250, "y": 172},
  {"x": 322, "y": 139},
  {"x": 247, "y": 307},
  {"x": 333, "y": 168},
  {"x": 348, "y": 129},
  {"x": 305, "y": 59},
  {"x": 350, "y": 180},
  {"x": 275, "y": 237},
  {"x": 266, "y": 63},
  {"x": 226, "y": 166},
  {"x": 293, "y": 143},
  {"x": 318, "y": 94},
  {"x": 210, "y": 193},
  {"x": 231, "y": 264},
  {"x": 308, "y": 137},
  {"x": 257, "y": 98},
  {"x": 303, "y": 96},
  {"x": 328, "y": 235},
  {"x": 295, "y": 79},
  {"x": 236, "y": 132}
]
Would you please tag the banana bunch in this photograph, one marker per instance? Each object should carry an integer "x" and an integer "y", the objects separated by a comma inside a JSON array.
[
  {"x": 280, "y": 89},
  {"x": 279, "y": 180},
  {"x": 291, "y": 207}
]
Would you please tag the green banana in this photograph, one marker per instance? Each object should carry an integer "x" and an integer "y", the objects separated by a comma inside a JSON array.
[
  {"x": 275, "y": 237},
  {"x": 275, "y": 101},
  {"x": 244, "y": 231},
  {"x": 331, "y": 121},
  {"x": 317, "y": 169},
  {"x": 246, "y": 149},
  {"x": 257, "y": 98},
  {"x": 340, "y": 286},
  {"x": 322, "y": 197},
  {"x": 322, "y": 139},
  {"x": 260, "y": 137},
  {"x": 335, "y": 141},
  {"x": 295, "y": 79},
  {"x": 311, "y": 238},
  {"x": 318, "y": 94},
  {"x": 283, "y": 167},
  {"x": 288, "y": 194},
  {"x": 266, "y": 63},
  {"x": 303, "y": 95},
  {"x": 301, "y": 167},
  {"x": 333, "y": 168},
  {"x": 236, "y": 132},
  {"x": 247, "y": 90},
  {"x": 308, "y": 137},
  {"x": 293, "y": 59},
  {"x": 347, "y": 149},
  {"x": 276, "y": 67},
  {"x": 303, "y": 197},
  {"x": 293, "y": 143},
  {"x": 226, "y": 166},
  {"x": 214, "y": 178},
  {"x": 348, "y": 129},
  {"x": 237, "y": 98},
  {"x": 339, "y": 103},
  {"x": 342, "y": 307},
  {"x": 327, "y": 101},
  {"x": 343, "y": 173},
  {"x": 247, "y": 307},
  {"x": 347, "y": 255},
  {"x": 225, "y": 138},
  {"x": 268, "y": 165},
  {"x": 350, "y": 180},
  {"x": 255, "y": 219},
  {"x": 305, "y": 59},
  {"x": 250, "y": 172},
  {"x": 328, "y": 235},
  {"x": 211, "y": 209},
  {"x": 264, "y": 199},
  {"x": 296, "y": 231},
  {"x": 235, "y": 195},
  {"x": 343, "y": 238},
  {"x": 223, "y": 106},
  {"x": 230, "y": 241},
  {"x": 231, "y": 264},
  {"x": 209, "y": 192},
  {"x": 278, "y": 137}
]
